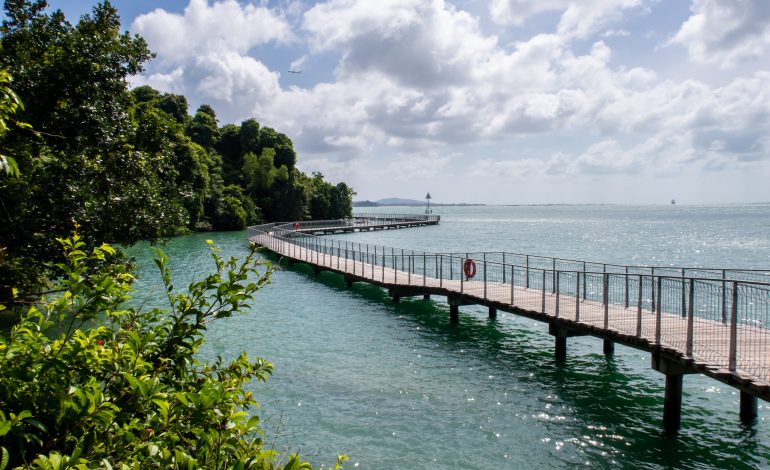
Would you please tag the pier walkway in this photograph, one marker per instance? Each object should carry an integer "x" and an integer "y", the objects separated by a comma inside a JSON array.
[{"x": 691, "y": 320}]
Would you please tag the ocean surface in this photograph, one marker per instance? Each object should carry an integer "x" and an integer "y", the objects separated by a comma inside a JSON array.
[{"x": 398, "y": 386}]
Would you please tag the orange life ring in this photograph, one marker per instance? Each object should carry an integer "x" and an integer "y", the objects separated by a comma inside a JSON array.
[
  {"x": 469, "y": 268},
  {"x": 296, "y": 226}
]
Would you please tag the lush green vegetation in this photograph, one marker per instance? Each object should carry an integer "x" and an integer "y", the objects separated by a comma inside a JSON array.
[
  {"x": 125, "y": 165},
  {"x": 85, "y": 381}
]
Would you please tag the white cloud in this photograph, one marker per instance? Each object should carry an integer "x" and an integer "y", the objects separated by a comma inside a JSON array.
[
  {"x": 224, "y": 26},
  {"x": 516, "y": 11},
  {"x": 579, "y": 18},
  {"x": 415, "y": 80},
  {"x": 418, "y": 43},
  {"x": 409, "y": 166},
  {"x": 726, "y": 32}
]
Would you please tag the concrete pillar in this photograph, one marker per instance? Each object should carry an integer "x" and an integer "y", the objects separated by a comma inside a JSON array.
[
  {"x": 396, "y": 299},
  {"x": 454, "y": 313},
  {"x": 317, "y": 269},
  {"x": 348, "y": 282},
  {"x": 748, "y": 407},
  {"x": 492, "y": 312},
  {"x": 609, "y": 347},
  {"x": 426, "y": 297},
  {"x": 672, "y": 403},
  {"x": 561, "y": 348}
]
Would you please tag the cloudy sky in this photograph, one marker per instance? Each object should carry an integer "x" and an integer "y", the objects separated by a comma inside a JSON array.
[{"x": 498, "y": 101}]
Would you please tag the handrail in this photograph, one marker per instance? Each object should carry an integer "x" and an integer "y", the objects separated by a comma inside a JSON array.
[{"x": 704, "y": 314}]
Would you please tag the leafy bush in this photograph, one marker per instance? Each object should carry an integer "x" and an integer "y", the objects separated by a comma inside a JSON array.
[{"x": 87, "y": 382}]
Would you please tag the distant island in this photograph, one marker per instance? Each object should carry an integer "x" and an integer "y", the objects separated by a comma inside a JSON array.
[{"x": 395, "y": 201}]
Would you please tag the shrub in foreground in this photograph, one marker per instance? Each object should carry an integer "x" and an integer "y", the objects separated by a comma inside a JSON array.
[{"x": 87, "y": 382}]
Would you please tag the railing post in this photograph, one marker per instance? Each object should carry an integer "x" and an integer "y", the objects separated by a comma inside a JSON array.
[
  {"x": 585, "y": 286},
  {"x": 734, "y": 330},
  {"x": 375, "y": 260},
  {"x": 424, "y": 269},
  {"x": 409, "y": 271},
  {"x": 527, "y": 266},
  {"x": 395, "y": 266},
  {"x": 485, "y": 276},
  {"x": 462, "y": 275},
  {"x": 684, "y": 294},
  {"x": 513, "y": 282},
  {"x": 639, "y": 307},
  {"x": 690, "y": 320},
  {"x": 383, "y": 264},
  {"x": 724, "y": 298},
  {"x": 577, "y": 292},
  {"x": 558, "y": 281},
  {"x": 658, "y": 314},
  {"x": 542, "y": 308},
  {"x": 652, "y": 288},
  {"x": 626, "y": 286},
  {"x": 441, "y": 270},
  {"x": 503, "y": 267},
  {"x": 606, "y": 295},
  {"x": 553, "y": 275}
]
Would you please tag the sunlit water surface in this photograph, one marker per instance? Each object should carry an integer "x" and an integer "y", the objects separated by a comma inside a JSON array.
[{"x": 398, "y": 386}]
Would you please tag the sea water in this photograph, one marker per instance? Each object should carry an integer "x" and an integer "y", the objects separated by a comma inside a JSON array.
[{"x": 399, "y": 386}]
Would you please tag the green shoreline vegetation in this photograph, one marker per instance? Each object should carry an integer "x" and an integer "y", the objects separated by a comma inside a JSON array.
[{"x": 86, "y": 162}]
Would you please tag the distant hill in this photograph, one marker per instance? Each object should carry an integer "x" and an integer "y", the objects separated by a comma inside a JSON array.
[{"x": 396, "y": 201}]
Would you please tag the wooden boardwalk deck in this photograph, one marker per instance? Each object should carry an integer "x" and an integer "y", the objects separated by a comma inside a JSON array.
[{"x": 684, "y": 335}]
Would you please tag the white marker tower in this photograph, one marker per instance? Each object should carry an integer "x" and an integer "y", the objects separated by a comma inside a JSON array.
[{"x": 427, "y": 204}]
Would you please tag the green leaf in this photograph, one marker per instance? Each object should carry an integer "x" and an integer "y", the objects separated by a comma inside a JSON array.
[{"x": 4, "y": 458}]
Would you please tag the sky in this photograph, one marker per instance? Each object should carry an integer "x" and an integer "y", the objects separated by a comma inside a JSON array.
[{"x": 495, "y": 102}]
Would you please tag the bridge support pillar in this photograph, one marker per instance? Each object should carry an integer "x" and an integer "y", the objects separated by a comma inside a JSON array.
[
  {"x": 560, "y": 335},
  {"x": 317, "y": 269},
  {"x": 748, "y": 407},
  {"x": 396, "y": 299},
  {"x": 672, "y": 403},
  {"x": 560, "y": 352},
  {"x": 348, "y": 282},
  {"x": 492, "y": 312},
  {"x": 609, "y": 347},
  {"x": 454, "y": 313},
  {"x": 454, "y": 307},
  {"x": 426, "y": 297},
  {"x": 674, "y": 371}
]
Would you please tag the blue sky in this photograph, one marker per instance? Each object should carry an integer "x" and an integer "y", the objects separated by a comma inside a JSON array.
[{"x": 498, "y": 101}]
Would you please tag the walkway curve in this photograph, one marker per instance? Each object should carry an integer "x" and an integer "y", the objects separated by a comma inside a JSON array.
[{"x": 692, "y": 320}]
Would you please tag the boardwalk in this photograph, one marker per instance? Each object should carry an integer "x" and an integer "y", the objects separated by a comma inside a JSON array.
[{"x": 710, "y": 321}]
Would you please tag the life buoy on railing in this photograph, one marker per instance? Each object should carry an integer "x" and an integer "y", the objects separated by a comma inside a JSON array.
[
  {"x": 296, "y": 226},
  {"x": 469, "y": 268}
]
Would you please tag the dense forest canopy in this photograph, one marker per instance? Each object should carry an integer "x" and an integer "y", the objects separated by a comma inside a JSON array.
[{"x": 126, "y": 165}]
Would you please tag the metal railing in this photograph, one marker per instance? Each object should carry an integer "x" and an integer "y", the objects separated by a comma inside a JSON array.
[
  {"x": 357, "y": 222},
  {"x": 717, "y": 317}
]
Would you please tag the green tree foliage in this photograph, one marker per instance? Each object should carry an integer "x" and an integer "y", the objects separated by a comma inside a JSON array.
[
  {"x": 86, "y": 382},
  {"x": 9, "y": 105},
  {"x": 203, "y": 129},
  {"x": 125, "y": 164}
]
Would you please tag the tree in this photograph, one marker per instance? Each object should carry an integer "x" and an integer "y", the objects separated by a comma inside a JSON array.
[
  {"x": 82, "y": 165},
  {"x": 87, "y": 382},
  {"x": 203, "y": 127},
  {"x": 9, "y": 105}
]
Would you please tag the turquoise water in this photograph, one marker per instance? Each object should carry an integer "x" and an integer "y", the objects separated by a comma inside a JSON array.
[{"x": 398, "y": 386}]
